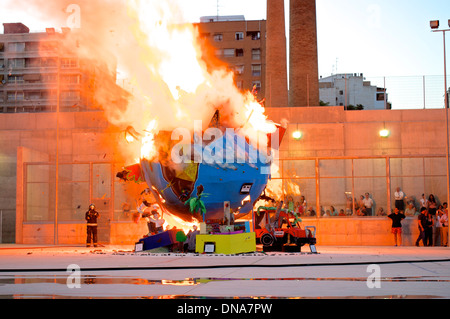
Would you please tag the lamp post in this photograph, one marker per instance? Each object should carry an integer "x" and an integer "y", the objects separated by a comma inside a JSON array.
[{"x": 435, "y": 28}]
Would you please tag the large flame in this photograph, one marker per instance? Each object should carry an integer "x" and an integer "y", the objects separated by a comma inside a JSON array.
[
  {"x": 169, "y": 81},
  {"x": 172, "y": 54}
]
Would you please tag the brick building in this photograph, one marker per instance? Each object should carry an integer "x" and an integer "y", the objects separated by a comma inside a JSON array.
[{"x": 238, "y": 44}]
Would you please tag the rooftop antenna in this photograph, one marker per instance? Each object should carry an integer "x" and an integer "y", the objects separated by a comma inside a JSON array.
[
  {"x": 337, "y": 65},
  {"x": 218, "y": 9}
]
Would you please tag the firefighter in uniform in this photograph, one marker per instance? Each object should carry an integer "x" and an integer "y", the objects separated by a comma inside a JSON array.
[{"x": 91, "y": 217}]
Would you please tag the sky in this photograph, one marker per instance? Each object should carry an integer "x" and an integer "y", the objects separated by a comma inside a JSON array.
[{"x": 374, "y": 37}]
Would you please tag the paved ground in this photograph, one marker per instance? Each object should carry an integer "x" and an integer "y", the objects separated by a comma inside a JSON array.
[{"x": 116, "y": 272}]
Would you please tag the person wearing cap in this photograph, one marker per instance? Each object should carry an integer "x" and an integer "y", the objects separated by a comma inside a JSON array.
[{"x": 91, "y": 217}]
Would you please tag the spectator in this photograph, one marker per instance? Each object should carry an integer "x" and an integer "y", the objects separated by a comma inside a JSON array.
[
  {"x": 290, "y": 204},
  {"x": 333, "y": 211},
  {"x": 342, "y": 213},
  {"x": 311, "y": 212},
  {"x": 349, "y": 204},
  {"x": 303, "y": 203},
  {"x": 432, "y": 206},
  {"x": 444, "y": 225},
  {"x": 368, "y": 203},
  {"x": 422, "y": 225},
  {"x": 399, "y": 199},
  {"x": 423, "y": 202},
  {"x": 410, "y": 209},
  {"x": 381, "y": 212},
  {"x": 360, "y": 202},
  {"x": 429, "y": 223},
  {"x": 438, "y": 226},
  {"x": 397, "y": 218}
]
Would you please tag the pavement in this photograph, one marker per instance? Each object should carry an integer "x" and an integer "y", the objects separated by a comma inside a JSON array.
[{"x": 117, "y": 272}]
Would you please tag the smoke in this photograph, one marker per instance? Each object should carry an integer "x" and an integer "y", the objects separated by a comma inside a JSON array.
[{"x": 149, "y": 44}]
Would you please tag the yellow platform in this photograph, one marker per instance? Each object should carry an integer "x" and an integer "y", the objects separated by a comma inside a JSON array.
[{"x": 227, "y": 244}]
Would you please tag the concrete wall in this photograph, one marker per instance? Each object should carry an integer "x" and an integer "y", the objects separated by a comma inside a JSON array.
[
  {"x": 331, "y": 131},
  {"x": 328, "y": 131},
  {"x": 361, "y": 231},
  {"x": 122, "y": 233}
]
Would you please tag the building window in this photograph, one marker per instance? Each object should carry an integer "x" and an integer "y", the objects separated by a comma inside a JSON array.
[
  {"x": 72, "y": 79},
  {"x": 380, "y": 96},
  {"x": 257, "y": 85},
  {"x": 16, "y": 47},
  {"x": 228, "y": 53},
  {"x": 256, "y": 70},
  {"x": 17, "y": 63},
  {"x": 240, "y": 84},
  {"x": 239, "y": 36},
  {"x": 49, "y": 78},
  {"x": 49, "y": 62},
  {"x": 70, "y": 95},
  {"x": 33, "y": 95},
  {"x": 239, "y": 69},
  {"x": 256, "y": 54},
  {"x": 15, "y": 96},
  {"x": 239, "y": 52},
  {"x": 48, "y": 46},
  {"x": 218, "y": 37},
  {"x": 255, "y": 35},
  {"x": 15, "y": 79},
  {"x": 69, "y": 63}
]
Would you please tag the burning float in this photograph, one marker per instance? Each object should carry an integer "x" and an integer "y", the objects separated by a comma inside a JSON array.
[{"x": 205, "y": 147}]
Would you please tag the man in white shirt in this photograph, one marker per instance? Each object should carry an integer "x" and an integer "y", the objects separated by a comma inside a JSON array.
[
  {"x": 399, "y": 197},
  {"x": 423, "y": 201},
  {"x": 368, "y": 203}
]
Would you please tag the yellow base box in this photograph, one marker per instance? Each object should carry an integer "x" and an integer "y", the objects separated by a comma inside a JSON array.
[{"x": 227, "y": 244}]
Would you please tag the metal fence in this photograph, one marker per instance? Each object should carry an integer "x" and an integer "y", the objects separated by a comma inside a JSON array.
[
  {"x": 413, "y": 92},
  {"x": 325, "y": 182},
  {"x": 333, "y": 186}
]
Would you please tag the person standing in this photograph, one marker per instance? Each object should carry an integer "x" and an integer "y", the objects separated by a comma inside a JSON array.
[
  {"x": 397, "y": 218},
  {"x": 399, "y": 199},
  {"x": 444, "y": 225},
  {"x": 429, "y": 229},
  {"x": 422, "y": 225},
  {"x": 91, "y": 217},
  {"x": 438, "y": 225},
  {"x": 368, "y": 203},
  {"x": 423, "y": 202},
  {"x": 432, "y": 205}
]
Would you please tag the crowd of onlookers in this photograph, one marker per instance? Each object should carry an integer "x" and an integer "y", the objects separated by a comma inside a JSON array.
[{"x": 432, "y": 216}]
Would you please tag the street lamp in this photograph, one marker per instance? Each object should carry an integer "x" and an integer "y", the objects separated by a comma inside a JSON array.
[{"x": 435, "y": 26}]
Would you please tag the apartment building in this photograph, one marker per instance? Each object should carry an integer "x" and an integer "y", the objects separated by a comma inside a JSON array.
[
  {"x": 352, "y": 90},
  {"x": 238, "y": 44},
  {"x": 35, "y": 67}
]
